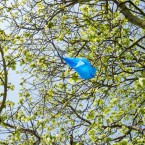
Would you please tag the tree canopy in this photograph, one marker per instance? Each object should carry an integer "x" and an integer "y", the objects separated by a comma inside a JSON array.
[{"x": 55, "y": 106}]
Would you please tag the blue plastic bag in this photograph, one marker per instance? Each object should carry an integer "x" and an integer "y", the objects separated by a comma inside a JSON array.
[{"x": 82, "y": 66}]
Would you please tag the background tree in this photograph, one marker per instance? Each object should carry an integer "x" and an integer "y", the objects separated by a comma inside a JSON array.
[{"x": 57, "y": 107}]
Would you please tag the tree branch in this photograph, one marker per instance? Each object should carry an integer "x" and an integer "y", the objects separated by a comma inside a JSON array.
[
  {"x": 32, "y": 132},
  {"x": 5, "y": 83},
  {"x": 132, "y": 45},
  {"x": 130, "y": 17},
  {"x": 83, "y": 119},
  {"x": 126, "y": 12}
]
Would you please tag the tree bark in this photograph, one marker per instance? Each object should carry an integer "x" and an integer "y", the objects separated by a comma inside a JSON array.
[{"x": 129, "y": 16}]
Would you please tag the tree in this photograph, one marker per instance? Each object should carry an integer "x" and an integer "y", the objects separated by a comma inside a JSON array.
[{"x": 55, "y": 105}]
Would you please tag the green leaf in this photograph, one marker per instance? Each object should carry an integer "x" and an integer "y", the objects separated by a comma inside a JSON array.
[{"x": 142, "y": 82}]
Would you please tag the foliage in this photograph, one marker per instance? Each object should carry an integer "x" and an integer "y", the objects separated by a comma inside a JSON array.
[{"x": 56, "y": 106}]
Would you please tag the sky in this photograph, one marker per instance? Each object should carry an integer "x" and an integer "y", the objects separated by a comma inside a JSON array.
[{"x": 14, "y": 79}]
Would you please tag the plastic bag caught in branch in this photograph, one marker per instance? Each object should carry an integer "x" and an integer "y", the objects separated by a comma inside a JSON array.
[{"x": 82, "y": 66}]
